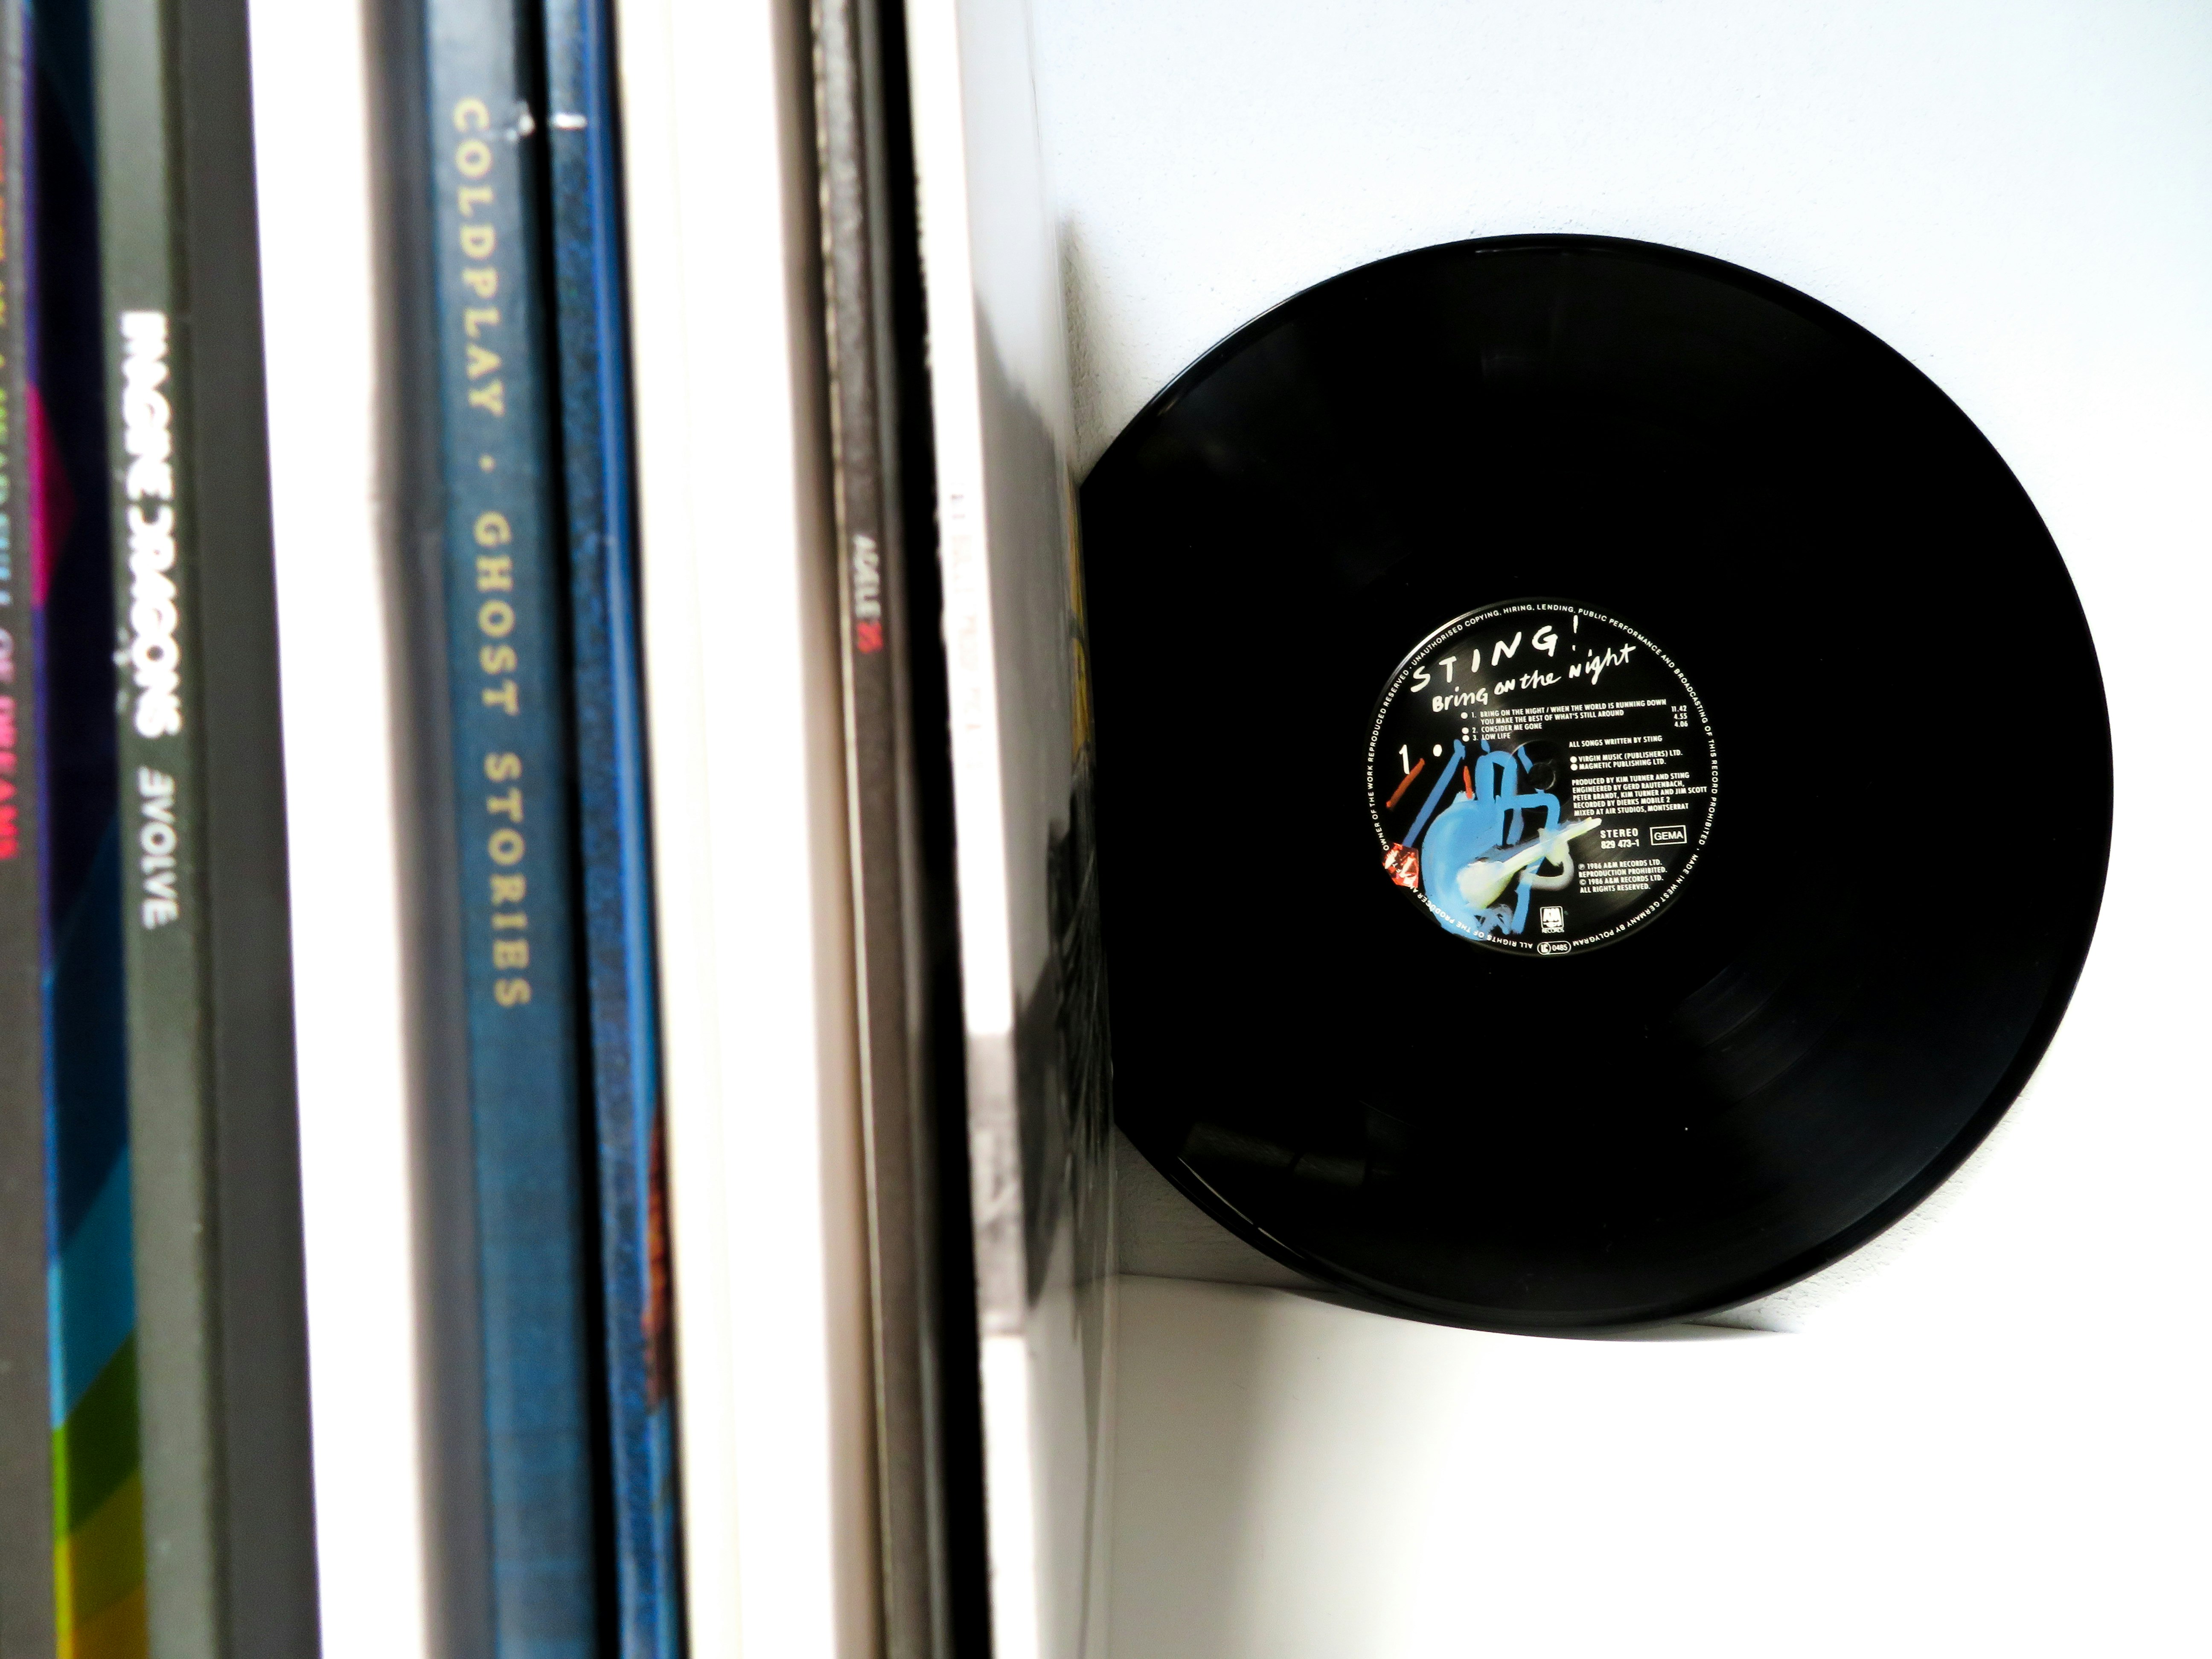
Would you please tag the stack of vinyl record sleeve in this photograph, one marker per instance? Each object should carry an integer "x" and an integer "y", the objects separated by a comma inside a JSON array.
[
  {"x": 159, "y": 1445},
  {"x": 156, "y": 1478},
  {"x": 548, "y": 1213}
]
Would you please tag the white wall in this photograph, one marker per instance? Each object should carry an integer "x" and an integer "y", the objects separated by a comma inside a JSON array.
[
  {"x": 1994, "y": 1444},
  {"x": 1301, "y": 1481}
]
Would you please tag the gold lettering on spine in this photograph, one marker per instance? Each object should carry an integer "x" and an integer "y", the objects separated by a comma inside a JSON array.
[{"x": 475, "y": 158}]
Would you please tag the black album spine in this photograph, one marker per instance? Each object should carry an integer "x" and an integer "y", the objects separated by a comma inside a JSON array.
[{"x": 27, "y": 1508}]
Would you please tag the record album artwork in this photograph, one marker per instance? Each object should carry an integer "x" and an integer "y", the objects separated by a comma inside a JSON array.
[{"x": 1603, "y": 783}]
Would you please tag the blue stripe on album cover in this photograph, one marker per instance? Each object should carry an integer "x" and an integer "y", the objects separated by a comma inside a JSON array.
[{"x": 618, "y": 947}]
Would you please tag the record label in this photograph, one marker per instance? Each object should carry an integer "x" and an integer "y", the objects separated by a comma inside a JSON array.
[{"x": 1542, "y": 778}]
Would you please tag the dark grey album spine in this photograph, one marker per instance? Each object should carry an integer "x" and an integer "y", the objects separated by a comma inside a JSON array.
[
  {"x": 162, "y": 808},
  {"x": 264, "y": 1496},
  {"x": 215, "y": 1181},
  {"x": 859, "y": 107}
]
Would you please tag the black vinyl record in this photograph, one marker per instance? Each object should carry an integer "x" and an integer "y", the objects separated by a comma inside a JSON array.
[{"x": 1604, "y": 784}]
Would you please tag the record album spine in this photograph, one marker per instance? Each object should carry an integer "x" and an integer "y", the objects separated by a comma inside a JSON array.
[
  {"x": 99, "y": 1589},
  {"x": 265, "y": 1504},
  {"x": 162, "y": 815},
  {"x": 620, "y": 1004},
  {"x": 26, "y": 1565},
  {"x": 853, "y": 87},
  {"x": 512, "y": 783}
]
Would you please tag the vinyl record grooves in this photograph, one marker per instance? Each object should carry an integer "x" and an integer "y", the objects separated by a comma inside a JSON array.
[{"x": 1706, "y": 927}]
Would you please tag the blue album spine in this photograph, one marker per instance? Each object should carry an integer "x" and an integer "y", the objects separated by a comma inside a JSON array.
[
  {"x": 618, "y": 946},
  {"x": 512, "y": 793}
]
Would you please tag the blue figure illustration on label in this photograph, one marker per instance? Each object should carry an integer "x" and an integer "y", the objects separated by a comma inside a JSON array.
[{"x": 1490, "y": 833}]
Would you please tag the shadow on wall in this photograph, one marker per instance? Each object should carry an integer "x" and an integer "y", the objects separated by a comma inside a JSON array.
[{"x": 1160, "y": 1234}]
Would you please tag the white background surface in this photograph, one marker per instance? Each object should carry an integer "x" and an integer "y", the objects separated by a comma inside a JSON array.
[
  {"x": 1996, "y": 1442},
  {"x": 318, "y": 330},
  {"x": 767, "y": 1228}
]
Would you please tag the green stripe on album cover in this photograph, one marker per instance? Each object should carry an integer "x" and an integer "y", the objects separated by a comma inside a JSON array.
[
  {"x": 96, "y": 1450},
  {"x": 99, "y": 1547}
]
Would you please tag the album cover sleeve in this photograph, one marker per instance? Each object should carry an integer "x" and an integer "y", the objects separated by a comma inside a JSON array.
[
  {"x": 98, "y": 1566},
  {"x": 1032, "y": 976},
  {"x": 620, "y": 995},
  {"x": 898, "y": 799},
  {"x": 220, "y": 1343},
  {"x": 161, "y": 811},
  {"x": 514, "y": 1335},
  {"x": 27, "y": 1624}
]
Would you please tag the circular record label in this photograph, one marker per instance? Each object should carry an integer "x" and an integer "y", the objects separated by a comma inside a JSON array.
[{"x": 1542, "y": 778}]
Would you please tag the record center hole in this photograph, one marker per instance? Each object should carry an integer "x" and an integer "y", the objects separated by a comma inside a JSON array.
[{"x": 1540, "y": 759}]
